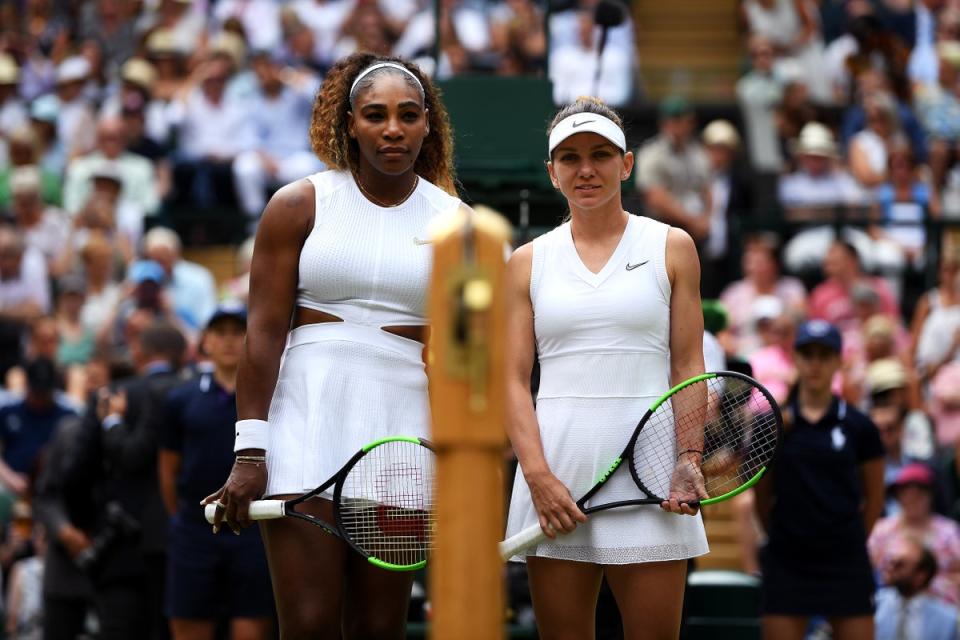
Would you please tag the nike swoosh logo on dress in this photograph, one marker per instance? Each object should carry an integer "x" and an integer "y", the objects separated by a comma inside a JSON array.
[
  {"x": 418, "y": 241},
  {"x": 631, "y": 267}
]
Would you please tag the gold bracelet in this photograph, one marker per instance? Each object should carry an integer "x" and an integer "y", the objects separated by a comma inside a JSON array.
[
  {"x": 256, "y": 460},
  {"x": 697, "y": 451}
]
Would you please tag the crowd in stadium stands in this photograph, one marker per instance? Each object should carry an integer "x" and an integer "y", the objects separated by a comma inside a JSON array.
[{"x": 115, "y": 113}]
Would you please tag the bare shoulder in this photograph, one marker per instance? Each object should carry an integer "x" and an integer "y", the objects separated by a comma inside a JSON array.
[
  {"x": 290, "y": 212},
  {"x": 521, "y": 259},
  {"x": 682, "y": 257}
]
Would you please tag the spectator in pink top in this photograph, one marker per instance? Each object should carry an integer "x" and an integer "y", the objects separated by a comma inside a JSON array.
[
  {"x": 832, "y": 300},
  {"x": 761, "y": 277},
  {"x": 772, "y": 364},
  {"x": 913, "y": 489}
]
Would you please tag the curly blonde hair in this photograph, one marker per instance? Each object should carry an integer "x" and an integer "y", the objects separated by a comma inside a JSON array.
[{"x": 331, "y": 140}]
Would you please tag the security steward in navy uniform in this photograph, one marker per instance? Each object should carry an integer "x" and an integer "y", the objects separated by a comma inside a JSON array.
[
  {"x": 210, "y": 577},
  {"x": 117, "y": 456}
]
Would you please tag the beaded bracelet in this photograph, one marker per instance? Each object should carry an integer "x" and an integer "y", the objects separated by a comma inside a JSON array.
[{"x": 690, "y": 451}]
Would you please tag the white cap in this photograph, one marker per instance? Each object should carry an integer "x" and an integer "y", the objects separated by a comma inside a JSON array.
[
  {"x": 587, "y": 123},
  {"x": 9, "y": 71},
  {"x": 721, "y": 132},
  {"x": 815, "y": 139},
  {"x": 25, "y": 179},
  {"x": 766, "y": 308},
  {"x": 72, "y": 69}
]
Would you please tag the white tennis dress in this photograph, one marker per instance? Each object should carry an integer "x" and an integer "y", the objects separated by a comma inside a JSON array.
[
  {"x": 345, "y": 384},
  {"x": 603, "y": 342}
]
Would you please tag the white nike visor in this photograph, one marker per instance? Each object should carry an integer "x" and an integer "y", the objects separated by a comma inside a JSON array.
[{"x": 587, "y": 123}]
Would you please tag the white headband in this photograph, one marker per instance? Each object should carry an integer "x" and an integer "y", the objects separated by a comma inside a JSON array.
[
  {"x": 381, "y": 65},
  {"x": 587, "y": 122}
]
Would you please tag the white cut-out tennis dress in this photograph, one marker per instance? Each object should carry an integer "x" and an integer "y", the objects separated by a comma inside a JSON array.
[
  {"x": 345, "y": 384},
  {"x": 603, "y": 343}
]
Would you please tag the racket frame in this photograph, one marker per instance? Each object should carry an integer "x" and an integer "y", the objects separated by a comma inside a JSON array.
[
  {"x": 534, "y": 535},
  {"x": 336, "y": 529}
]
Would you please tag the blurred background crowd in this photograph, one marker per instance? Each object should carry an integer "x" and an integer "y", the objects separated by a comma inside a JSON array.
[{"x": 828, "y": 188}]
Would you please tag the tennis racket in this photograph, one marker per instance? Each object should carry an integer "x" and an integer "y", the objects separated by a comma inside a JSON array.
[
  {"x": 382, "y": 503},
  {"x": 728, "y": 416}
]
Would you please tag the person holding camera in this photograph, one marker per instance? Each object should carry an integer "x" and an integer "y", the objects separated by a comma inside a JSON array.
[{"x": 117, "y": 455}]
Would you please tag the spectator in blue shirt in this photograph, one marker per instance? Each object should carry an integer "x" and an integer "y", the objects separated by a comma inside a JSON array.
[
  {"x": 209, "y": 574},
  {"x": 28, "y": 425},
  {"x": 904, "y": 609}
]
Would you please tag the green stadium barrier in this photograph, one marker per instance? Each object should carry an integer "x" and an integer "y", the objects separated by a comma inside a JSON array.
[{"x": 722, "y": 605}]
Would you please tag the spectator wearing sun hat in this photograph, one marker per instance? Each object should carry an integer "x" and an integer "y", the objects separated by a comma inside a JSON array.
[
  {"x": 915, "y": 489},
  {"x": 44, "y": 227},
  {"x": 13, "y": 113},
  {"x": 75, "y": 118},
  {"x": 24, "y": 150},
  {"x": 731, "y": 199},
  {"x": 138, "y": 79}
]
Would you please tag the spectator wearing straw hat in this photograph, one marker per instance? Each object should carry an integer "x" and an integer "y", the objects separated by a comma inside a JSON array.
[
  {"x": 170, "y": 61},
  {"x": 138, "y": 78},
  {"x": 13, "y": 113},
  {"x": 75, "y": 119},
  {"x": 181, "y": 21},
  {"x": 731, "y": 197},
  {"x": 23, "y": 148},
  {"x": 819, "y": 182},
  {"x": 674, "y": 173},
  {"x": 44, "y": 227}
]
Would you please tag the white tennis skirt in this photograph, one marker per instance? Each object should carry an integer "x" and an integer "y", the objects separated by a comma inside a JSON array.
[
  {"x": 341, "y": 386},
  {"x": 581, "y": 437}
]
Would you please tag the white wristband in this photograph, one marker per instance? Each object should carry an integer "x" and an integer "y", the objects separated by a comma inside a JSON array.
[{"x": 252, "y": 434}]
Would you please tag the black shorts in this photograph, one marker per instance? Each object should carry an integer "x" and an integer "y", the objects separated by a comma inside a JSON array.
[
  {"x": 799, "y": 583},
  {"x": 211, "y": 576}
]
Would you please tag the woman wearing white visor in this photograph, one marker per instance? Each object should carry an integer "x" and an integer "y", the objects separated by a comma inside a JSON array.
[{"x": 610, "y": 303}]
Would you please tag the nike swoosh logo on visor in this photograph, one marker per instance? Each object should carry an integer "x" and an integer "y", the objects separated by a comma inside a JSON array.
[
  {"x": 631, "y": 267},
  {"x": 577, "y": 124}
]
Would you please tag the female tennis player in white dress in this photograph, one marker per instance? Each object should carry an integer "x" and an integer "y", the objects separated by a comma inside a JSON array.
[
  {"x": 610, "y": 303},
  {"x": 334, "y": 347}
]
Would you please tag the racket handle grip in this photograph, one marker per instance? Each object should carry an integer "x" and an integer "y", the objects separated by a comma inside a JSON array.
[
  {"x": 259, "y": 510},
  {"x": 529, "y": 537}
]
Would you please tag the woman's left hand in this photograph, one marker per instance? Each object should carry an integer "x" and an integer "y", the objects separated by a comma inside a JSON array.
[{"x": 686, "y": 485}]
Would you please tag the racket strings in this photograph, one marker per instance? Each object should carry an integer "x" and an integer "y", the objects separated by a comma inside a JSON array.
[
  {"x": 386, "y": 503},
  {"x": 727, "y": 418}
]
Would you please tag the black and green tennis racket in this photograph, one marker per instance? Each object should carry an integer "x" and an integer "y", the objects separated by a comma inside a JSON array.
[
  {"x": 382, "y": 503},
  {"x": 728, "y": 416}
]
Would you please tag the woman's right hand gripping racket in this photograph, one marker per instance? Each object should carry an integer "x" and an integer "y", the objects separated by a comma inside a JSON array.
[
  {"x": 382, "y": 503},
  {"x": 728, "y": 416}
]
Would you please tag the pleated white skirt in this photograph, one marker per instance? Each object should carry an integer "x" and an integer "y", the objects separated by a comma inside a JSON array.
[
  {"x": 581, "y": 437},
  {"x": 341, "y": 386}
]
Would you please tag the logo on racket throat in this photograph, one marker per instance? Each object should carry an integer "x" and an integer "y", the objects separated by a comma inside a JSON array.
[{"x": 606, "y": 474}]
